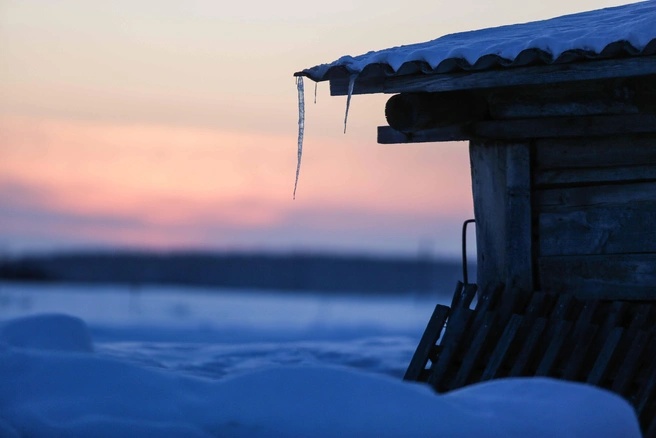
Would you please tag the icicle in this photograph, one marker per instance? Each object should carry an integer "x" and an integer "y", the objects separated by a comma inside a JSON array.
[
  {"x": 301, "y": 126},
  {"x": 315, "y": 92},
  {"x": 348, "y": 98}
]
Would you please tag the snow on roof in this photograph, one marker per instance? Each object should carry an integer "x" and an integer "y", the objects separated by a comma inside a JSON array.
[{"x": 605, "y": 33}]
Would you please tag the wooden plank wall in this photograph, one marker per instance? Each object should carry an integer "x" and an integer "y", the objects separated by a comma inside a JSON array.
[
  {"x": 594, "y": 205},
  {"x": 610, "y": 344}
]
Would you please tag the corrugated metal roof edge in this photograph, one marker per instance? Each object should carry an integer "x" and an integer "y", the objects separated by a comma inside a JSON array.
[{"x": 617, "y": 49}]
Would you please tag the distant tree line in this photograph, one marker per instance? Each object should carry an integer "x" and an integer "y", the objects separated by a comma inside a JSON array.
[{"x": 295, "y": 272}]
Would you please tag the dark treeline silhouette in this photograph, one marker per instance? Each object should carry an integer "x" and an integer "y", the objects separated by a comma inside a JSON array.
[{"x": 295, "y": 272}]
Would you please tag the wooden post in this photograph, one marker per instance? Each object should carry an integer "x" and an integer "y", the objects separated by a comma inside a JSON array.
[
  {"x": 488, "y": 170},
  {"x": 501, "y": 185}
]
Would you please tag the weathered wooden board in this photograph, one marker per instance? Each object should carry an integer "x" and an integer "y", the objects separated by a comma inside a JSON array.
[
  {"x": 595, "y": 152},
  {"x": 524, "y": 357},
  {"x": 456, "y": 328},
  {"x": 600, "y": 368},
  {"x": 573, "y": 368},
  {"x": 519, "y": 270},
  {"x": 387, "y": 135},
  {"x": 630, "y": 362},
  {"x": 576, "y": 198},
  {"x": 553, "y": 350},
  {"x": 553, "y": 177},
  {"x": 504, "y": 77},
  {"x": 616, "y": 229},
  {"x": 501, "y": 349},
  {"x": 428, "y": 340},
  {"x": 474, "y": 351},
  {"x": 488, "y": 173},
  {"x": 618, "y": 277}
]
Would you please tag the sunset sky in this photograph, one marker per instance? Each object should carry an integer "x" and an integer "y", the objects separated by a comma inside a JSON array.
[{"x": 172, "y": 125}]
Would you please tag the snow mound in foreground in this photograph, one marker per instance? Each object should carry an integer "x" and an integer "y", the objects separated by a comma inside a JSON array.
[
  {"x": 64, "y": 394},
  {"x": 47, "y": 332}
]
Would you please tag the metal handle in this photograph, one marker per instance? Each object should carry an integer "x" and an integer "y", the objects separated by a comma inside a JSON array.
[{"x": 465, "y": 277}]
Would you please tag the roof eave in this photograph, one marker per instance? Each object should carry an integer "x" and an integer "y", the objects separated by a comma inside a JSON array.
[{"x": 496, "y": 78}]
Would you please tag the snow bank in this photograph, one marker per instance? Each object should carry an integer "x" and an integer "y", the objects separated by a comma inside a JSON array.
[
  {"x": 77, "y": 394},
  {"x": 47, "y": 332}
]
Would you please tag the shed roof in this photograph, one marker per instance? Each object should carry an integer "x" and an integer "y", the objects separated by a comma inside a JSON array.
[{"x": 621, "y": 31}]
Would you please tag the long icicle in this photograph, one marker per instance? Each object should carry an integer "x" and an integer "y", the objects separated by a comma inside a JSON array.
[
  {"x": 348, "y": 98},
  {"x": 301, "y": 126}
]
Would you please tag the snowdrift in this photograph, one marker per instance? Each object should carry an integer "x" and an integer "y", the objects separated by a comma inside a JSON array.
[{"x": 69, "y": 391}]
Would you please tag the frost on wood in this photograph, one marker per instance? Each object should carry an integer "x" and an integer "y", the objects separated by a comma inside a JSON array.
[
  {"x": 348, "y": 98},
  {"x": 301, "y": 126}
]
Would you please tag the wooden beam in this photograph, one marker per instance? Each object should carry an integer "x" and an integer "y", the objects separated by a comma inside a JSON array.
[
  {"x": 501, "y": 77},
  {"x": 411, "y": 112},
  {"x": 525, "y": 129},
  {"x": 387, "y": 135}
]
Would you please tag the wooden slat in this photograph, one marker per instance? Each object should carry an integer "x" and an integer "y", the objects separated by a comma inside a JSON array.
[
  {"x": 577, "y": 359},
  {"x": 503, "y": 77},
  {"x": 570, "y": 99},
  {"x": 485, "y": 303},
  {"x": 617, "y": 277},
  {"x": 595, "y": 152},
  {"x": 601, "y": 175},
  {"x": 565, "y": 127},
  {"x": 527, "y": 129},
  {"x": 630, "y": 363},
  {"x": 456, "y": 327},
  {"x": 528, "y": 348},
  {"x": 387, "y": 135},
  {"x": 646, "y": 391},
  {"x": 615, "y": 314},
  {"x": 499, "y": 354},
  {"x": 616, "y": 229},
  {"x": 553, "y": 350},
  {"x": 651, "y": 430},
  {"x": 473, "y": 351},
  {"x": 428, "y": 340},
  {"x": 600, "y": 367},
  {"x": 576, "y": 198}
]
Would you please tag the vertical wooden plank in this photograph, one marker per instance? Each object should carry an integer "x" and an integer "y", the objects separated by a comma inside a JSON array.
[
  {"x": 501, "y": 349},
  {"x": 488, "y": 173},
  {"x": 428, "y": 340},
  {"x": 519, "y": 275},
  {"x": 600, "y": 367},
  {"x": 473, "y": 352}
]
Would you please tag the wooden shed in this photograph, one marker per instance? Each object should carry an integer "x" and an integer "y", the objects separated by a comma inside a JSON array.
[{"x": 560, "y": 116}]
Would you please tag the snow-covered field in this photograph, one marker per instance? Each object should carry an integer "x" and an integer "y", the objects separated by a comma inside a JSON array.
[{"x": 175, "y": 362}]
